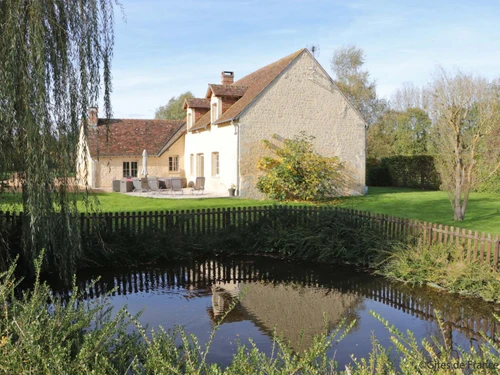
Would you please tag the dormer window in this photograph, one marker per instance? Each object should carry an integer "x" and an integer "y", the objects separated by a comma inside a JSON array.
[
  {"x": 189, "y": 119},
  {"x": 214, "y": 112}
]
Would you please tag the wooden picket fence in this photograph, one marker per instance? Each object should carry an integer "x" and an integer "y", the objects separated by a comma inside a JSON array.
[{"x": 480, "y": 247}]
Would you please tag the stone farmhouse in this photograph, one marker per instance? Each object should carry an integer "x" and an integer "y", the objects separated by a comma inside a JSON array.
[{"x": 221, "y": 137}]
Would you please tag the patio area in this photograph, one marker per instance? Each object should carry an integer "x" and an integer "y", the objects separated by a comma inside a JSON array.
[{"x": 167, "y": 194}]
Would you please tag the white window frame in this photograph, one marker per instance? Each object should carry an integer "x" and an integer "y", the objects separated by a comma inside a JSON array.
[
  {"x": 214, "y": 112},
  {"x": 173, "y": 163},
  {"x": 129, "y": 167},
  {"x": 191, "y": 164},
  {"x": 200, "y": 166},
  {"x": 215, "y": 164}
]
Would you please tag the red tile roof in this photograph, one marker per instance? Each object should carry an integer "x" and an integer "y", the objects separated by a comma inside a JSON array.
[
  {"x": 255, "y": 82},
  {"x": 196, "y": 103},
  {"x": 129, "y": 137},
  {"x": 226, "y": 90}
]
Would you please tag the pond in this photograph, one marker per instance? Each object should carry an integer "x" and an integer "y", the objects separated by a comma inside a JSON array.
[{"x": 290, "y": 297}]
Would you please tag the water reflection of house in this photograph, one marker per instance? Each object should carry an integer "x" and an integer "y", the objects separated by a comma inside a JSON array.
[{"x": 295, "y": 310}]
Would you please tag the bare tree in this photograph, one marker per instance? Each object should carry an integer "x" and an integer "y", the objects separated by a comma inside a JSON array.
[
  {"x": 466, "y": 114},
  {"x": 410, "y": 96}
]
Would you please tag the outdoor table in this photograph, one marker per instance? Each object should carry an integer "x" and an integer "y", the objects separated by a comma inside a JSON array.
[
  {"x": 116, "y": 186},
  {"x": 126, "y": 186}
]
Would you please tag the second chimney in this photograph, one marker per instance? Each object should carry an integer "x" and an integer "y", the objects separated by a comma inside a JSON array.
[
  {"x": 92, "y": 119},
  {"x": 227, "y": 78}
]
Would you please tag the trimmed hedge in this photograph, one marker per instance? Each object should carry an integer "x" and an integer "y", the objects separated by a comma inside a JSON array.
[{"x": 417, "y": 171}]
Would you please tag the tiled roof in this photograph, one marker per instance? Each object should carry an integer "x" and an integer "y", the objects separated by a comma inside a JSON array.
[
  {"x": 196, "y": 103},
  {"x": 129, "y": 137},
  {"x": 256, "y": 83},
  {"x": 225, "y": 90}
]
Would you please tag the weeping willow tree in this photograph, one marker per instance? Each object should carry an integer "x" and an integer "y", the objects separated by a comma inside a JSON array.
[{"x": 55, "y": 61}]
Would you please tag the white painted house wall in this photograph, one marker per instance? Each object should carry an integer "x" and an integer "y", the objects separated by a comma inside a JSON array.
[{"x": 221, "y": 139}]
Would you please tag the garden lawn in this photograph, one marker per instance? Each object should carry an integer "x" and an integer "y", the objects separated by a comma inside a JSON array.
[
  {"x": 115, "y": 202},
  {"x": 483, "y": 209}
]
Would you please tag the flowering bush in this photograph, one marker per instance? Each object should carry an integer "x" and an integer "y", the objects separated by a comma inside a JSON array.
[{"x": 298, "y": 172}]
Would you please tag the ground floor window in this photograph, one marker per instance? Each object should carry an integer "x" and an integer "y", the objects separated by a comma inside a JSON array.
[
  {"x": 173, "y": 164},
  {"x": 215, "y": 164},
  {"x": 191, "y": 164},
  {"x": 200, "y": 165},
  {"x": 129, "y": 169}
]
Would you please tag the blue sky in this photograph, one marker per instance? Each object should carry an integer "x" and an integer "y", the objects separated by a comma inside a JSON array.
[{"x": 166, "y": 47}]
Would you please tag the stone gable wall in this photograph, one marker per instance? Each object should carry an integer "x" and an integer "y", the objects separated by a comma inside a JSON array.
[{"x": 303, "y": 99}]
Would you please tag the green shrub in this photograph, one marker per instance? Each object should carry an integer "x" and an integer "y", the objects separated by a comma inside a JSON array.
[
  {"x": 298, "y": 172},
  {"x": 445, "y": 266},
  {"x": 377, "y": 174},
  {"x": 417, "y": 171}
]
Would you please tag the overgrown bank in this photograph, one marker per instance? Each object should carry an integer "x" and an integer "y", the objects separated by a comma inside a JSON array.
[
  {"x": 399, "y": 250},
  {"x": 443, "y": 266},
  {"x": 42, "y": 334}
]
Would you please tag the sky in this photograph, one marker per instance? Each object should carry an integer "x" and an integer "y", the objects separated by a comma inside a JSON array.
[{"x": 164, "y": 47}]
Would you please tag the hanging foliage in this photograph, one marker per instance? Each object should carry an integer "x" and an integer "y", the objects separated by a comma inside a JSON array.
[{"x": 55, "y": 61}]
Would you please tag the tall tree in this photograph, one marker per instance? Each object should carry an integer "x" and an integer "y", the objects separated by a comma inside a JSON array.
[
  {"x": 347, "y": 65},
  {"x": 399, "y": 133},
  {"x": 55, "y": 58},
  {"x": 466, "y": 112},
  {"x": 410, "y": 96},
  {"x": 173, "y": 109}
]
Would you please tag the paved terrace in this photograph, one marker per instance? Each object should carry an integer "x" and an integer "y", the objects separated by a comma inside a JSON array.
[{"x": 186, "y": 194}]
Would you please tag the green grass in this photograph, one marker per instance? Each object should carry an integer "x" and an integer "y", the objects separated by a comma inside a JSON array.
[
  {"x": 115, "y": 202},
  {"x": 483, "y": 210}
]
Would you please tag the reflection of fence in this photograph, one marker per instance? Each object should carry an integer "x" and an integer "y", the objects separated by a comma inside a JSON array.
[
  {"x": 475, "y": 247},
  {"x": 464, "y": 316}
]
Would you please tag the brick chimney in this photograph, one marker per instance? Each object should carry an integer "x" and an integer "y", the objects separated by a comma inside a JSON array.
[
  {"x": 92, "y": 119},
  {"x": 227, "y": 78}
]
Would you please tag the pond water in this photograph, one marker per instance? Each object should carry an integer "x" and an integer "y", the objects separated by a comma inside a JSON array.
[{"x": 293, "y": 297}]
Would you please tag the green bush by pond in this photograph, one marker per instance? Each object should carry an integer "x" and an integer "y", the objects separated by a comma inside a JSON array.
[
  {"x": 445, "y": 266},
  {"x": 41, "y": 334}
]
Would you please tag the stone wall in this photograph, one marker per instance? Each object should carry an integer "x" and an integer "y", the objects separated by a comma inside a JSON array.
[{"x": 303, "y": 98}]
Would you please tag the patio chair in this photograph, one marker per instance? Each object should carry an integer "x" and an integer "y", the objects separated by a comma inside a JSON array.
[
  {"x": 199, "y": 186},
  {"x": 154, "y": 185},
  {"x": 176, "y": 185},
  {"x": 138, "y": 185}
]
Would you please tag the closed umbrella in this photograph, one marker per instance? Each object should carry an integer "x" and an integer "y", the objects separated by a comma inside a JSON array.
[{"x": 144, "y": 163}]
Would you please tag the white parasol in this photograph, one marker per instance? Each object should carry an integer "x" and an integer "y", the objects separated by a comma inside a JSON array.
[{"x": 144, "y": 163}]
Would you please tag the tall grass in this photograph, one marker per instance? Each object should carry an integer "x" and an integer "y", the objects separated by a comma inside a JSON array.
[
  {"x": 443, "y": 265},
  {"x": 41, "y": 334},
  {"x": 327, "y": 236}
]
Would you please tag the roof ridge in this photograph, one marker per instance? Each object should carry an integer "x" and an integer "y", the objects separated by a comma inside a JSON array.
[
  {"x": 255, "y": 83},
  {"x": 291, "y": 56},
  {"x": 232, "y": 85},
  {"x": 137, "y": 119}
]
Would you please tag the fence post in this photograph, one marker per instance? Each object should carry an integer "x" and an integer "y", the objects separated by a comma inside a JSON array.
[{"x": 495, "y": 256}]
